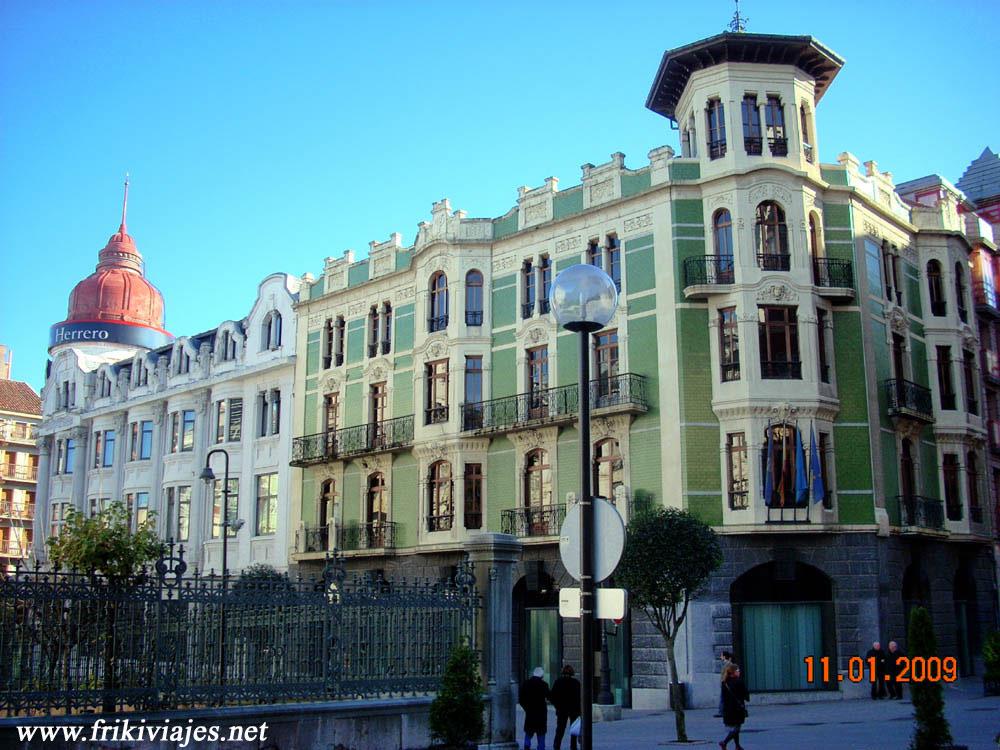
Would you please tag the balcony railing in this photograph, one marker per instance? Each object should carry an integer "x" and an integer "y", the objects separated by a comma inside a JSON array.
[
  {"x": 18, "y": 432},
  {"x": 386, "y": 347},
  {"x": 833, "y": 273},
  {"x": 436, "y": 415},
  {"x": 17, "y": 510},
  {"x": 313, "y": 539},
  {"x": 473, "y": 318},
  {"x": 807, "y": 151},
  {"x": 939, "y": 308},
  {"x": 627, "y": 391},
  {"x": 440, "y": 523},
  {"x": 716, "y": 149},
  {"x": 540, "y": 520},
  {"x": 773, "y": 370},
  {"x": 787, "y": 513},
  {"x": 739, "y": 499},
  {"x": 774, "y": 261},
  {"x": 372, "y": 350},
  {"x": 373, "y": 535},
  {"x": 19, "y": 473},
  {"x": 921, "y": 512},
  {"x": 374, "y": 437},
  {"x": 985, "y": 297},
  {"x": 527, "y": 309},
  {"x": 778, "y": 146},
  {"x": 753, "y": 145},
  {"x": 544, "y": 306},
  {"x": 709, "y": 269},
  {"x": 906, "y": 399},
  {"x": 14, "y": 548},
  {"x": 473, "y": 519},
  {"x": 437, "y": 323}
]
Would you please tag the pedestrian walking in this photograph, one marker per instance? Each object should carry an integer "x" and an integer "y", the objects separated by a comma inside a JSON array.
[
  {"x": 894, "y": 665},
  {"x": 532, "y": 698},
  {"x": 734, "y": 705},
  {"x": 878, "y": 675},
  {"x": 565, "y": 696},
  {"x": 726, "y": 658}
]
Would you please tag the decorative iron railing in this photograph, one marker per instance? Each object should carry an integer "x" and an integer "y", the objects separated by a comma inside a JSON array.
[
  {"x": 787, "y": 513},
  {"x": 774, "y": 261},
  {"x": 436, "y": 415},
  {"x": 527, "y": 309},
  {"x": 831, "y": 272},
  {"x": 373, "y": 535},
  {"x": 778, "y": 146},
  {"x": 908, "y": 399},
  {"x": 544, "y": 306},
  {"x": 386, "y": 347},
  {"x": 716, "y": 149},
  {"x": 539, "y": 520},
  {"x": 985, "y": 297},
  {"x": 313, "y": 539},
  {"x": 18, "y": 472},
  {"x": 78, "y": 642},
  {"x": 709, "y": 269},
  {"x": 374, "y": 437},
  {"x": 753, "y": 145},
  {"x": 625, "y": 390},
  {"x": 437, "y": 323},
  {"x": 473, "y": 318},
  {"x": 921, "y": 512},
  {"x": 779, "y": 370},
  {"x": 440, "y": 523}
]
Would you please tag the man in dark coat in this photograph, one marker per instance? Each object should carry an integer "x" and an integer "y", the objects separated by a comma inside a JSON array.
[
  {"x": 734, "y": 705},
  {"x": 878, "y": 676},
  {"x": 565, "y": 696},
  {"x": 893, "y": 666},
  {"x": 532, "y": 698}
]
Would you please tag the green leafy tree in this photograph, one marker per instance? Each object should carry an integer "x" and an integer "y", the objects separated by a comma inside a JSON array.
[
  {"x": 456, "y": 719},
  {"x": 931, "y": 731},
  {"x": 105, "y": 548},
  {"x": 668, "y": 558}
]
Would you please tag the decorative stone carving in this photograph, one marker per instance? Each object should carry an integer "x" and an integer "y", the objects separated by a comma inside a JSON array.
[
  {"x": 638, "y": 222},
  {"x": 536, "y": 334},
  {"x": 377, "y": 370},
  {"x": 355, "y": 309},
  {"x": 567, "y": 245},
  {"x": 201, "y": 404},
  {"x": 332, "y": 383},
  {"x": 531, "y": 439},
  {"x": 770, "y": 191},
  {"x": 722, "y": 199},
  {"x": 614, "y": 427},
  {"x": 437, "y": 349},
  {"x": 969, "y": 340},
  {"x": 896, "y": 319},
  {"x": 406, "y": 293},
  {"x": 777, "y": 293},
  {"x": 873, "y": 229},
  {"x": 502, "y": 264},
  {"x": 602, "y": 191},
  {"x": 536, "y": 212}
]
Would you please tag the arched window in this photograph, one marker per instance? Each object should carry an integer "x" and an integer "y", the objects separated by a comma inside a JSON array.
[
  {"x": 963, "y": 314},
  {"x": 786, "y": 494},
  {"x": 972, "y": 477},
  {"x": 377, "y": 512},
  {"x": 537, "y": 479},
  {"x": 440, "y": 508},
  {"x": 474, "y": 298},
  {"x": 438, "y": 319},
  {"x": 935, "y": 288},
  {"x": 608, "y": 468},
  {"x": 270, "y": 331},
  {"x": 722, "y": 232},
  {"x": 772, "y": 237},
  {"x": 814, "y": 244}
]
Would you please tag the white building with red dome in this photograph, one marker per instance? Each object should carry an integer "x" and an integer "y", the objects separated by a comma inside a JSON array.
[{"x": 131, "y": 412}]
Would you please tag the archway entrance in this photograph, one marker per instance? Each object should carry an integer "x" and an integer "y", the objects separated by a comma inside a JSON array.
[
  {"x": 964, "y": 595},
  {"x": 916, "y": 592},
  {"x": 537, "y": 630},
  {"x": 782, "y": 613}
]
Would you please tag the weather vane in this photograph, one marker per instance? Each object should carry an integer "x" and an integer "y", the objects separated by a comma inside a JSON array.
[{"x": 739, "y": 22}]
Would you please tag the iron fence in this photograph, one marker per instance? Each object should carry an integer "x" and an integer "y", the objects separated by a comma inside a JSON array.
[{"x": 73, "y": 642}]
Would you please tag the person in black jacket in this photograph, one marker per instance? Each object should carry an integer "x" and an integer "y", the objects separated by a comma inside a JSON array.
[
  {"x": 734, "y": 705},
  {"x": 532, "y": 696},
  {"x": 893, "y": 666},
  {"x": 565, "y": 696},
  {"x": 878, "y": 681}
]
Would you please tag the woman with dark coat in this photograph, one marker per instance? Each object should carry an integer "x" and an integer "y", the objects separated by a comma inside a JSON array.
[
  {"x": 565, "y": 696},
  {"x": 734, "y": 698},
  {"x": 532, "y": 698}
]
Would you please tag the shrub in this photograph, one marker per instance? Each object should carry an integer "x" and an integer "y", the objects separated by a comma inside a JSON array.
[
  {"x": 456, "y": 719},
  {"x": 932, "y": 730}
]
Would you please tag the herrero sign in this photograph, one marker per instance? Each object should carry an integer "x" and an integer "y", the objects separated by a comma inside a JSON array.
[{"x": 105, "y": 332}]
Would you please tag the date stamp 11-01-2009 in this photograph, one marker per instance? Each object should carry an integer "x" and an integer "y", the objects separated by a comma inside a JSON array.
[{"x": 907, "y": 669}]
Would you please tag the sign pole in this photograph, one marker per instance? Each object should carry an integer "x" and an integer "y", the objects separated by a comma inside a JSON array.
[{"x": 586, "y": 554}]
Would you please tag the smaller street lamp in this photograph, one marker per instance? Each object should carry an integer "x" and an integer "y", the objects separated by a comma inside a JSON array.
[
  {"x": 208, "y": 476},
  {"x": 584, "y": 299}
]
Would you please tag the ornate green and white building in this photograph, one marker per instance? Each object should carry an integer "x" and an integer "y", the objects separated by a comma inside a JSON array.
[{"x": 790, "y": 361}]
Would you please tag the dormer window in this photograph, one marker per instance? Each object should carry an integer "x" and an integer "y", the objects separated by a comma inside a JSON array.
[
  {"x": 183, "y": 362},
  {"x": 777, "y": 138},
  {"x": 270, "y": 331},
  {"x": 228, "y": 346},
  {"x": 715, "y": 118},
  {"x": 142, "y": 377},
  {"x": 103, "y": 385}
]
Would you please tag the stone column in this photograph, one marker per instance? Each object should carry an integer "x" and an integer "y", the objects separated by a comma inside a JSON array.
[
  {"x": 202, "y": 493},
  {"x": 80, "y": 462},
  {"x": 42, "y": 510},
  {"x": 120, "y": 457},
  {"x": 493, "y": 557}
]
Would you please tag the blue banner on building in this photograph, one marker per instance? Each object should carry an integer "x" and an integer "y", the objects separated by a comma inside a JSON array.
[{"x": 105, "y": 332}]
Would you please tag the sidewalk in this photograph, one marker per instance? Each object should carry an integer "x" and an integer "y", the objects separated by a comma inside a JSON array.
[{"x": 836, "y": 724}]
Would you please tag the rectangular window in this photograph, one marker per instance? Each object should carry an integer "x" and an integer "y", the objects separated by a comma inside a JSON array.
[
  {"x": 327, "y": 344},
  {"x": 969, "y": 376},
  {"x": 606, "y": 366},
  {"x": 141, "y": 508},
  {"x": 473, "y": 379},
  {"x": 341, "y": 335},
  {"x": 952, "y": 497},
  {"x": 538, "y": 382},
  {"x": 70, "y": 449},
  {"x": 275, "y": 411},
  {"x": 751, "y": 125},
  {"x": 715, "y": 115},
  {"x": 824, "y": 359},
  {"x": 614, "y": 260},
  {"x": 235, "y": 419},
  {"x": 545, "y": 272},
  {"x": 98, "y": 448},
  {"x": 266, "y": 519},
  {"x": 386, "y": 328},
  {"x": 146, "y": 440},
  {"x": 777, "y": 139},
  {"x": 378, "y": 401},
  {"x": 778, "y": 333},
  {"x": 175, "y": 432},
  {"x": 738, "y": 473},
  {"x": 268, "y": 412},
  {"x": 108, "y": 454},
  {"x": 437, "y": 391},
  {"x": 133, "y": 450},
  {"x": 220, "y": 421},
  {"x": 473, "y": 496},
  {"x": 528, "y": 298},
  {"x": 331, "y": 412},
  {"x": 945, "y": 386},
  {"x": 729, "y": 339},
  {"x": 183, "y": 513},
  {"x": 234, "y": 504},
  {"x": 373, "y": 331},
  {"x": 594, "y": 253},
  {"x": 187, "y": 430}
]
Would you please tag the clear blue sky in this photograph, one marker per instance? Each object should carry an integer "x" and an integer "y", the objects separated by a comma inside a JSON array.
[{"x": 265, "y": 136}]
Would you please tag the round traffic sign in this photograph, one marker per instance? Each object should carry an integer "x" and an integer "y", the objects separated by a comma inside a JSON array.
[{"x": 609, "y": 539}]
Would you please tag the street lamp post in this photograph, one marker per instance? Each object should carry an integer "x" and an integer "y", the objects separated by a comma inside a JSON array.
[
  {"x": 209, "y": 477},
  {"x": 584, "y": 299}
]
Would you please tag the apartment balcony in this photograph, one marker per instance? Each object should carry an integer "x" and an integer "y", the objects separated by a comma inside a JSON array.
[
  {"x": 778, "y": 146},
  {"x": 780, "y": 370},
  {"x": 376, "y": 535},
  {"x": 440, "y": 523},
  {"x": 908, "y": 400},
  {"x": 620, "y": 393},
  {"x": 985, "y": 298},
  {"x": 537, "y": 521},
  {"x": 311, "y": 539},
  {"x": 14, "y": 548},
  {"x": 19, "y": 511},
  {"x": 18, "y": 473},
  {"x": 774, "y": 261},
  {"x": 18, "y": 432},
  {"x": 387, "y": 436},
  {"x": 834, "y": 278},
  {"x": 707, "y": 274},
  {"x": 917, "y": 513}
]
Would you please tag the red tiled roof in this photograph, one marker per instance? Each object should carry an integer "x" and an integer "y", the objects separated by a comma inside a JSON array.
[{"x": 19, "y": 397}]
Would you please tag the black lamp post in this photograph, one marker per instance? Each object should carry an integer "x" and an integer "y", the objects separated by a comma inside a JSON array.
[
  {"x": 209, "y": 477},
  {"x": 584, "y": 299}
]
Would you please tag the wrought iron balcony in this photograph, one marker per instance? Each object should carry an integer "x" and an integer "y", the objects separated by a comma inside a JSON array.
[
  {"x": 831, "y": 273},
  {"x": 717, "y": 149},
  {"x": 539, "y": 520},
  {"x": 438, "y": 323},
  {"x": 774, "y": 261},
  {"x": 778, "y": 370},
  {"x": 436, "y": 415},
  {"x": 625, "y": 392},
  {"x": 18, "y": 473},
  {"x": 473, "y": 318},
  {"x": 707, "y": 270},
  {"x": 778, "y": 146},
  {"x": 921, "y": 512},
  {"x": 386, "y": 347},
  {"x": 374, "y": 437},
  {"x": 17, "y": 510},
  {"x": 985, "y": 297},
  {"x": 313, "y": 539},
  {"x": 527, "y": 309},
  {"x": 544, "y": 306},
  {"x": 906, "y": 399},
  {"x": 440, "y": 523},
  {"x": 753, "y": 145},
  {"x": 373, "y": 535}
]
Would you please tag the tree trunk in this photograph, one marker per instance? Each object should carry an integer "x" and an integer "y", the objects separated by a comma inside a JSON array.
[{"x": 677, "y": 698}]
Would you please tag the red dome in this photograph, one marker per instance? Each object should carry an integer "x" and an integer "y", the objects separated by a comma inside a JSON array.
[{"x": 117, "y": 291}]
